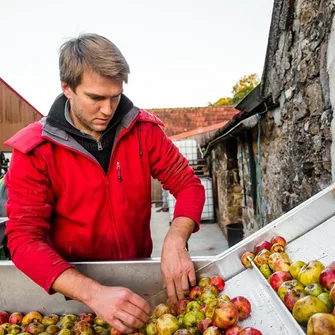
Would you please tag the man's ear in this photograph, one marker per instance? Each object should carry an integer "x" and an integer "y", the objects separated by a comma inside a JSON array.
[{"x": 67, "y": 90}]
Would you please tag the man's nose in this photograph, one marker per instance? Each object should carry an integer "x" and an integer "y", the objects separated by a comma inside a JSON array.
[{"x": 107, "y": 108}]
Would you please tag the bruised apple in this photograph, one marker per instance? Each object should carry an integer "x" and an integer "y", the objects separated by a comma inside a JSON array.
[
  {"x": 225, "y": 315},
  {"x": 15, "y": 318},
  {"x": 50, "y": 319},
  {"x": 314, "y": 289},
  {"x": 295, "y": 268},
  {"x": 88, "y": 317},
  {"x": 289, "y": 285},
  {"x": 34, "y": 328},
  {"x": 195, "y": 292},
  {"x": 262, "y": 257},
  {"x": 218, "y": 282},
  {"x": 243, "y": 307},
  {"x": 161, "y": 309},
  {"x": 204, "y": 281},
  {"x": 52, "y": 329},
  {"x": 4, "y": 317},
  {"x": 245, "y": 261},
  {"x": 292, "y": 296},
  {"x": 277, "y": 248},
  {"x": 311, "y": 272},
  {"x": 321, "y": 324},
  {"x": 32, "y": 317},
  {"x": 212, "y": 330},
  {"x": 279, "y": 261},
  {"x": 277, "y": 278},
  {"x": 83, "y": 328},
  {"x": 192, "y": 318}
]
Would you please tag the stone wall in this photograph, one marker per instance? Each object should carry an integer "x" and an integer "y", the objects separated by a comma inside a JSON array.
[{"x": 294, "y": 138}]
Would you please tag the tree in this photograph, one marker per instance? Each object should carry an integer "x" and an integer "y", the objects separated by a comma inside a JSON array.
[{"x": 240, "y": 90}]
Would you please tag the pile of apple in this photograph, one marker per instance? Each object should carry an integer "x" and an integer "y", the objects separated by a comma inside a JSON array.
[
  {"x": 206, "y": 310},
  {"x": 35, "y": 323},
  {"x": 307, "y": 290}
]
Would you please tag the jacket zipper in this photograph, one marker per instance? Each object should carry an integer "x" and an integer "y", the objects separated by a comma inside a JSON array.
[
  {"x": 100, "y": 148},
  {"x": 118, "y": 168}
]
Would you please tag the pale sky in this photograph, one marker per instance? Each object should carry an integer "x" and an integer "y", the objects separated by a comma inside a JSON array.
[{"x": 182, "y": 53}]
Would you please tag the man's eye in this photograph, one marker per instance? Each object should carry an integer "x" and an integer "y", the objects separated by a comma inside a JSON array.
[{"x": 96, "y": 98}]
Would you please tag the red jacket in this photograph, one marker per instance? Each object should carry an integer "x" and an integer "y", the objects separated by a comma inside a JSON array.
[{"x": 63, "y": 207}]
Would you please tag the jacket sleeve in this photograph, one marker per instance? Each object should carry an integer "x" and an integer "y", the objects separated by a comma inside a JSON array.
[
  {"x": 29, "y": 209},
  {"x": 170, "y": 167}
]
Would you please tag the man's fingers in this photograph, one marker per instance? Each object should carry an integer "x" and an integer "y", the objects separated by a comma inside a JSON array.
[
  {"x": 192, "y": 278},
  {"x": 142, "y": 307},
  {"x": 185, "y": 284},
  {"x": 121, "y": 327},
  {"x": 129, "y": 320},
  {"x": 171, "y": 291}
]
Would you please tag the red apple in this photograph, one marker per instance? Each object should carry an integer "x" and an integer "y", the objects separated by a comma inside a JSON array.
[
  {"x": 34, "y": 328},
  {"x": 243, "y": 307},
  {"x": 218, "y": 282},
  {"x": 262, "y": 245},
  {"x": 88, "y": 317},
  {"x": 332, "y": 294},
  {"x": 244, "y": 259},
  {"x": 277, "y": 278},
  {"x": 225, "y": 315},
  {"x": 250, "y": 331},
  {"x": 4, "y": 317},
  {"x": 292, "y": 296},
  {"x": 235, "y": 330},
  {"x": 279, "y": 240},
  {"x": 327, "y": 278},
  {"x": 83, "y": 327},
  {"x": 204, "y": 324},
  {"x": 15, "y": 318},
  {"x": 180, "y": 306},
  {"x": 195, "y": 292}
]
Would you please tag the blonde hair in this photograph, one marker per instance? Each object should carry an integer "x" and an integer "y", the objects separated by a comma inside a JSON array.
[{"x": 94, "y": 53}]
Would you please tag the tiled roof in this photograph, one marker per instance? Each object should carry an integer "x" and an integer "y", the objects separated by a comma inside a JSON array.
[{"x": 182, "y": 120}]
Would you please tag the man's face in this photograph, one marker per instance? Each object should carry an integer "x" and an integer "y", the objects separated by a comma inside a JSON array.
[{"x": 94, "y": 102}]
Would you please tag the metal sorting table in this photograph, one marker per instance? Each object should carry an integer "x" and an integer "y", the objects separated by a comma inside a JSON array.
[{"x": 309, "y": 229}]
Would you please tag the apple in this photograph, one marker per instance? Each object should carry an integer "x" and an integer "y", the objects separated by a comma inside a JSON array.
[
  {"x": 321, "y": 323},
  {"x": 192, "y": 306},
  {"x": 265, "y": 270},
  {"x": 83, "y": 328},
  {"x": 34, "y": 328},
  {"x": 262, "y": 257},
  {"x": 324, "y": 296},
  {"x": 277, "y": 248},
  {"x": 15, "y": 329},
  {"x": 235, "y": 330},
  {"x": 15, "y": 318},
  {"x": 223, "y": 297},
  {"x": 98, "y": 321},
  {"x": 244, "y": 259},
  {"x": 292, "y": 296},
  {"x": 195, "y": 292},
  {"x": 68, "y": 318},
  {"x": 310, "y": 272},
  {"x": 4, "y": 317},
  {"x": 212, "y": 330},
  {"x": 278, "y": 240},
  {"x": 204, "y": 324},
  {"x": 52, "y": 329},
  {"x": 181, "y": 331},
  {"x": 314, "y": 289},
  {"x": 207, "y": 296},
  {"x": 32, "y": 317},
  {"x": 261, "y": 246},
  {"x": 6, "y": 326},
  {"x": 204, "y": 281},
  {"x": 191, "y": 319},
  {"x": 180, "y": 306},
  {"x": 277, "y": 278},
  {"x": 64, "y": 331},
  {"x": 51, "y": 319},
  {"x": 327, "y": 278},
  {"x": 243, "y": 307},
  {"x": 295, "y": 268},
  {"x": 305, "y": 307},
  {"x": 289, "y": 285},
  {"x": 279, "y": 261},
  {"x": 250, "y": 331},
  {"x": 218, "y": 282},
  {"x": 88, "y": 317},
  {"x": 225, "y": 315},
  {"x": 159, "y": 310},
  {"x": 150, "y": 329}
]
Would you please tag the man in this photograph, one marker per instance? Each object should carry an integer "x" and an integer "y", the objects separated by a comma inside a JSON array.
[{"x": 79, "y": 187}]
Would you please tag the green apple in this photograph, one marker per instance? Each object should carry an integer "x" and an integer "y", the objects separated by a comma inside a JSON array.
[
  {"x": 327, "y": 301},
  {"x": 314, "y": 289},
  {"x": 167, "y": 324},
  {"x": 295, "y": 268},
  {"x": 265, "y": 270},
  {"x": 310, "y": 272}
]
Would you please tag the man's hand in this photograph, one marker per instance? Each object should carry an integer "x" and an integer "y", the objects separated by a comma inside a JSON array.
[
  {"x": 118, "y": 306},
  {"x": 177, "y": 267},
  {"x": 121, "y": 308}
]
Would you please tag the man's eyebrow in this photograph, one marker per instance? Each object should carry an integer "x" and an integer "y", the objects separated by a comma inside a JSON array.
[{"x": 93, "y": 95}]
